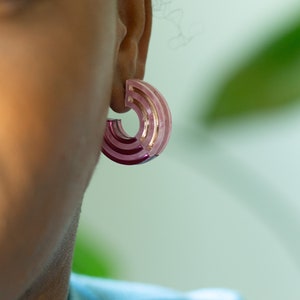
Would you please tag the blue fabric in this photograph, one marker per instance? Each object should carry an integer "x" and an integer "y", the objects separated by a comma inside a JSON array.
[{"x": 89, "y": 288}]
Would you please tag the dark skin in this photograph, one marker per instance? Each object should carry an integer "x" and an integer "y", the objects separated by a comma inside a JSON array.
[{"x": 63, "y": 63}]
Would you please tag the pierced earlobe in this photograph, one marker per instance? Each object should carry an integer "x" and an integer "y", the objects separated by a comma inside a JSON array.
[{"x": 154, "y": 131}]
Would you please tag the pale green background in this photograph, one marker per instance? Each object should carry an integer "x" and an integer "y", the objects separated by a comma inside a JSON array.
[{"x": 224, "y": 214}]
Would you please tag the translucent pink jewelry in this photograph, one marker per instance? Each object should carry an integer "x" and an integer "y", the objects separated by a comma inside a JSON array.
[{"x": 155, "y": 126}]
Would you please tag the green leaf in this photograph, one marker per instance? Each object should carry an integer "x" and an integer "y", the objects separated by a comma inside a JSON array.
[
  {"x": 268, "y": 81},
  {"x": 90, "y": 260}
]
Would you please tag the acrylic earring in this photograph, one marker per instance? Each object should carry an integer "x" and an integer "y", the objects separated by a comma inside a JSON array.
[{"x": 154, "y": 131}]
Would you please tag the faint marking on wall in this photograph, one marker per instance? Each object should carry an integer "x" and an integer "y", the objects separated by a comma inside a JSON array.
[{"x": 166, "y": 10}]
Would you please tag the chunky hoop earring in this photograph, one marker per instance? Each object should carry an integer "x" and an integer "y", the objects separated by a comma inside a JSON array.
[{"x": 155, "y": 126}]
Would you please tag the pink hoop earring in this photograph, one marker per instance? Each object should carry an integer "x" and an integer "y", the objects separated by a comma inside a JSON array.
[{"x": 155, "y": 126}]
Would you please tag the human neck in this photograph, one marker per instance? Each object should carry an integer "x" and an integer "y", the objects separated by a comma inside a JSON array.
[{"x": 53, "y": 282}]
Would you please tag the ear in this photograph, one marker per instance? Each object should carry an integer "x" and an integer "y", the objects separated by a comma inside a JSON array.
[{"x": 134, "y": 29}]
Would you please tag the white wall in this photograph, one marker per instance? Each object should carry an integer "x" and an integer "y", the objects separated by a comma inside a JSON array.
[{"x": 198, "y": 216}]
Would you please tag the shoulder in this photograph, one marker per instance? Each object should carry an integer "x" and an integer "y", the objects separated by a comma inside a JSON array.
[{"x": 89, "y": 288}]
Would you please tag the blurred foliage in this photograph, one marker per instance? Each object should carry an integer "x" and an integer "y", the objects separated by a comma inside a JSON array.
[
  {"x": 268, "y": 81},
  {"x": 91, "y": 260}
]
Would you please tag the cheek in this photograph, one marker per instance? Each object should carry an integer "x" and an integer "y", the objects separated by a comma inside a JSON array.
[
  {"x": 55, "y": 78},
  {"x": 54, "y": 58},
  {"x": 55, "y": 85}
]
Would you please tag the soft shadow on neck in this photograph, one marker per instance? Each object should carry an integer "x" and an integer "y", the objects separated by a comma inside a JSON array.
[{"x": 53, "y": 282}]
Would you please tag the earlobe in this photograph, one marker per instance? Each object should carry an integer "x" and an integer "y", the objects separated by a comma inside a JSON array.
[{"x": 134, "y": 30}]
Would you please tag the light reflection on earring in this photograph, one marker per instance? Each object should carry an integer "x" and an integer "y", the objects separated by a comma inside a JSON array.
[{"x": 154, "y": 131}]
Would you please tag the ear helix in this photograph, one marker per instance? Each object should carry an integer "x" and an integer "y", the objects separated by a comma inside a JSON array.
[{"x": 154, "y": 131}]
